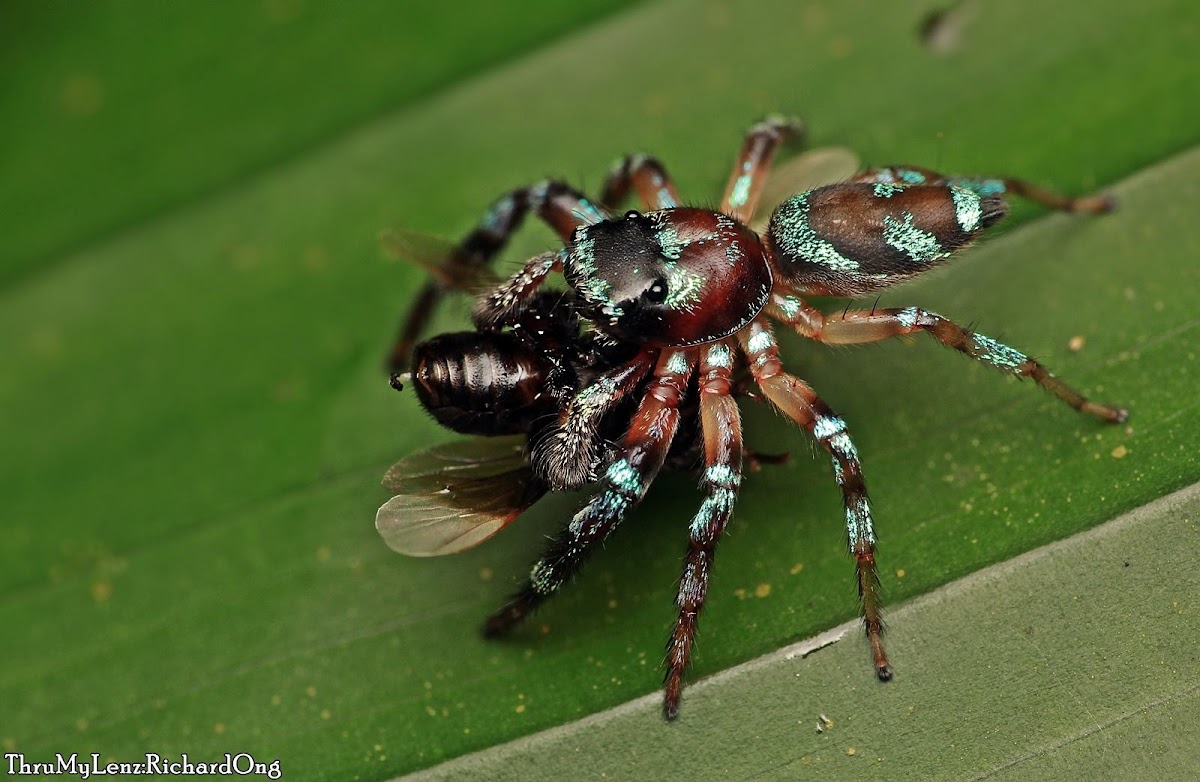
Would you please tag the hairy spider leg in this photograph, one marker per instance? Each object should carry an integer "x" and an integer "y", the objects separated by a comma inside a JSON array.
[
  {"x": 643, "y": 449},
  {"x": 795, "y": 399},
  {"x": 644, "y": 174},
  {"x": 987, "y": 186},
  {"x": 565, "y": 455},
  {"x": 749, "y": 175},
  {"x": 503, "y": 305},
  {"x": 722, "y": 429},
  {"x": 562, "y": 208},
  {"x": 859, "y": 326}
]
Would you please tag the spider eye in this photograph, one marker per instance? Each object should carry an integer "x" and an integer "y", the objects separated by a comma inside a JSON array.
[
  {"x": 657, "y": 292},
  {"x": 632, "y": 214}
]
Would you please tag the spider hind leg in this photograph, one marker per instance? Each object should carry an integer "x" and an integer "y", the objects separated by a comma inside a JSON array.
[
  {"x": 722, "y": 432},
  {"x": 796, "y": 400}
]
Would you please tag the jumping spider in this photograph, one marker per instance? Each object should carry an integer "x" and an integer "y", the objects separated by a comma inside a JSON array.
[{"x": 688, "y": 294}]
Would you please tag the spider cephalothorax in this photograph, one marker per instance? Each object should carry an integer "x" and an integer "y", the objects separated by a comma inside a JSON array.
[
  {"x": 668, "y": 278},
  {"x": 673, "y": 301}
]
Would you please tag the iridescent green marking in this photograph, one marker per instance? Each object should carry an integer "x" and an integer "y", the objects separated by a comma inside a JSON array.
[
  {"x": 998, "y": 354},
  {"x": 595, "y": 289},
  {"x": 910, "y": 177},
  {"x": 607, "y": 506},
  {"x": 967, "y": 207},
  {"x": 796, "y": 237},
  {"x": 722, "y": 485},
  {"x": 887, "y": 189},
  {"x": 760, "y": 341},
  {"x": 719, "y": 355},
  {"x": 683, "y": 288},
  {"x": 908, "y": 317},
  {"x": 740, "y": 193},
  {"x": 722, "y": 475},
  {"x": 596, "y": 395},
  {"x": 587, "y": 212},
  {"x": 827, "y": 426},
  {"x": 790, "y": 306},
  {"x": 669, "y": 241},
  {"x": 624, "y": 477},
  {"x": 919, "y": 245},
  {"x": 843, "y": 446},
  {"x": 859, "y": 526},
  {"x": 717, "y": 504},
  {"x": 677, "y": 363},
  {"x": 983, "y": 187}
]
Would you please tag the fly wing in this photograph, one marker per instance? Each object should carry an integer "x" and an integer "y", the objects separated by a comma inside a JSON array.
[
  {"x": 806, "y": 171},
  {"x": 455, "y": 496},
  {"x": 437, "y": 256}
]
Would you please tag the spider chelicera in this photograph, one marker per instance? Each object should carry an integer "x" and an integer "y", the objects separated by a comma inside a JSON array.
[{"x": 690, "y": 294}]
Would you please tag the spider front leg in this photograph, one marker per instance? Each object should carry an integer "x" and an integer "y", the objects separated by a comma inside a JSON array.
[
  {"x": 859, "y": 326},
  {"x": 722, "y": 429},
  {"x": 795, "y": 399},
  {"x": 645, "y": 175},
  {"x": 565, "y": 455},
  {"x": 643, "y": 450},
  {"x": 753, "y": 161},
  {"x": 560, "y": 206},
  {"x": 988, "y": 186}
]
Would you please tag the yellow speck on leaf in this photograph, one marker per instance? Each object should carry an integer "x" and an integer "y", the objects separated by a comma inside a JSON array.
[
  {"x": 101, "y": 591},
  {"x": 796, "y": 568},
  {"x": 1119, "y": 452},
  {"x": 762, "y": 590}
]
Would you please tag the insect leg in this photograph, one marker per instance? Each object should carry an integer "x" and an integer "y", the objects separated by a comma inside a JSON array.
[
  {"x": 750, "y": 170},
  {"x": 643, "y": 450},
  {"x": 645, "y": 175},
  {"x": 722, "y": 430},
  {"x": 795, "y": 399},
  {"x": 559, "y": 205},
  {"x": 859, "y": 326},
  {"x": 986, "y": 186}
]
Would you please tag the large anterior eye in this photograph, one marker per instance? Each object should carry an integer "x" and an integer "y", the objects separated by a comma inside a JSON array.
[{"x": 657, "y": 292}]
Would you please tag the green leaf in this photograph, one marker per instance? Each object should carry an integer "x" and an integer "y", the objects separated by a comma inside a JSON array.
[
  {"x": 196, "y": 422},
  {"x": 1018, "y": 671},
  {"x": 117, "y": 112}
]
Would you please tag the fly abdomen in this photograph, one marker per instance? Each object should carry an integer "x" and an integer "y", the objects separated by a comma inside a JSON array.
[
  {"x": 483, "y": 383},
  {"x": 855, "y": 238}
]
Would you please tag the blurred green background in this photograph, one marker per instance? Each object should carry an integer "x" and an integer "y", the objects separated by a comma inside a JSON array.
[{"x": 193, "y": 310}]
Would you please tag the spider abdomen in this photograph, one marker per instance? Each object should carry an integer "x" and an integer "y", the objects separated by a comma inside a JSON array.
[{"x": 851, "y": 239}]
